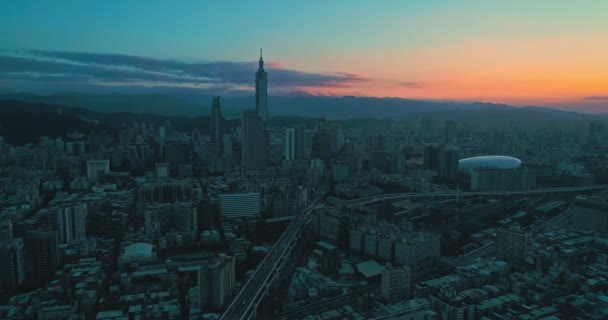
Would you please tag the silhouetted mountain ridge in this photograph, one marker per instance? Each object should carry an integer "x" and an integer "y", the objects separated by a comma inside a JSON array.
[{"x": 189, "y": 105}]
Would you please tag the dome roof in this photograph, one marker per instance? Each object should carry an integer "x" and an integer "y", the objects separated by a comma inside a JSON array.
[
  {"x": 139, "y": 250},
  {"x": 493, "y": 162}
]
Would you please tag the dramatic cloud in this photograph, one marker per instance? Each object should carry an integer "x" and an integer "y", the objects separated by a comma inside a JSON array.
[{"x": 58, "y": 68}]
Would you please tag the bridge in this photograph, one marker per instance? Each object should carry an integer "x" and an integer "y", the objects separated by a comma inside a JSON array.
[
  {"x": 267, "y": 274},
  {"x": 457, "y": 194}
]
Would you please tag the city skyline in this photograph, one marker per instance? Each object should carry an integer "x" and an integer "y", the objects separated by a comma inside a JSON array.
[{"x": 545, "y": 53}]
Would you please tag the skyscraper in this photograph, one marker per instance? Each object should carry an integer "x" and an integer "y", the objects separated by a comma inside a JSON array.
[
  {"x": 261, "y": 90},
  {"x": 431, "y": 159},
  {"x": 335, "y": 141},
  {"x": 451, "y": 133},
  {"x": 253, "y": 141},
  {"x": 448, "y": 162},
  {"x": 324, "y": 141},
  {"x": 215, "y": 132},
  {"x": 299, "y": 141},
  {"x": 289, "y": 144}
]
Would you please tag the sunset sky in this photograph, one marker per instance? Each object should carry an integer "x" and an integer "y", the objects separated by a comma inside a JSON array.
[{"x": 521, "y": 52}]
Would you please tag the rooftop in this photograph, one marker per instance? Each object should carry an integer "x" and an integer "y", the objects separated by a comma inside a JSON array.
[
  {"x": 493, "y": 162},
  {"x": 370, "y": 268}
]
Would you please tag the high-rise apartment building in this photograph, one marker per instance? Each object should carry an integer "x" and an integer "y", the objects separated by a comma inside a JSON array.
[
  {"x": 289, "y": 144},
  {"x": 512, "y": 245},
  {"x": 12, "y": 265},
  {"x": 396, "y": 283},
  {"x": 42, "y": 251},
  {"x": 216, "y": 282},
  {"x": 71, "y": 222}
]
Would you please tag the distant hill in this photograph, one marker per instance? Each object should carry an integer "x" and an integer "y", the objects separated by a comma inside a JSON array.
[
  {"x": 117, "y": 103},
  {"x": 24, "y": 122}
]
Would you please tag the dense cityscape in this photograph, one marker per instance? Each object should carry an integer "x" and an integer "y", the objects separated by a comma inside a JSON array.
[
  {"x": 382, "y": 160},
  {"x": 325, "y": 220}
]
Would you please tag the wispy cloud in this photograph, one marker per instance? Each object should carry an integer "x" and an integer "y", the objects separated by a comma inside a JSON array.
[
  {"x": 128, "y": 71},
  {"x": 407, "y": 84},
  {"x": 597, "y": 98}
]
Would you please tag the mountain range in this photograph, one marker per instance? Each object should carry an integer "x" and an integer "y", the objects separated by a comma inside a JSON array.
[
  {"x": 26, "y": 117},
  {"x": 333, "y": 108}
]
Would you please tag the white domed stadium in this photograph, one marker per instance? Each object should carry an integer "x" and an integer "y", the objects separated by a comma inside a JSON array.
[{"x": 491, "y": 162}]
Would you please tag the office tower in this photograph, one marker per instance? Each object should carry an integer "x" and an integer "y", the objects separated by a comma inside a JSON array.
[
  {"x": 335, "y": 137},
  {"x": 512, "y": 245},
  {"x": 299, "y": 142},
  {"x": 240, "y": 205},
  {"x": 12, "y": 266},
  {"x": 208, "y": 213},
  {"x": 261, "y": 90},
  {"x": 448, "y": 162},
  {"x": 157, "y": 219},
  {"x": 216, "y": 282},
  {"x": 324, "y": 141},
  {"x": 377, "y": 142},
  {"x": 96, "y": 169},
  {"x": 427, "y": 125},
  {"x": 227, "y": 146},
  {"x": 162, "y": 139},
  {"x": 334, "y": 227},
  {"x": 451, "y": 133},
  {"x": 431, "y": 157},
  {"x": 42, "y": 251},
  {"x": 380, "y": 160},
  {"x": 281, "y": 205},
  {"x": 266, "y": 143},
  {"x": 71, "y": 222},
  {"x": 253, "y": 141},
  {"x": 185, "y": 218},
  {"x": 289, "y": 144},
  {"x": 215, "y": 132},
  {"x": 177, "y": 152},
  {"x": 396, "y": 282},
  {"x": 6, "y": 230},
  {"x": 595, "y": 130}
]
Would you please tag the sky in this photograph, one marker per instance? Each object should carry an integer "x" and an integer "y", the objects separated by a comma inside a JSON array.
[{"x": 520, "y": 52}]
